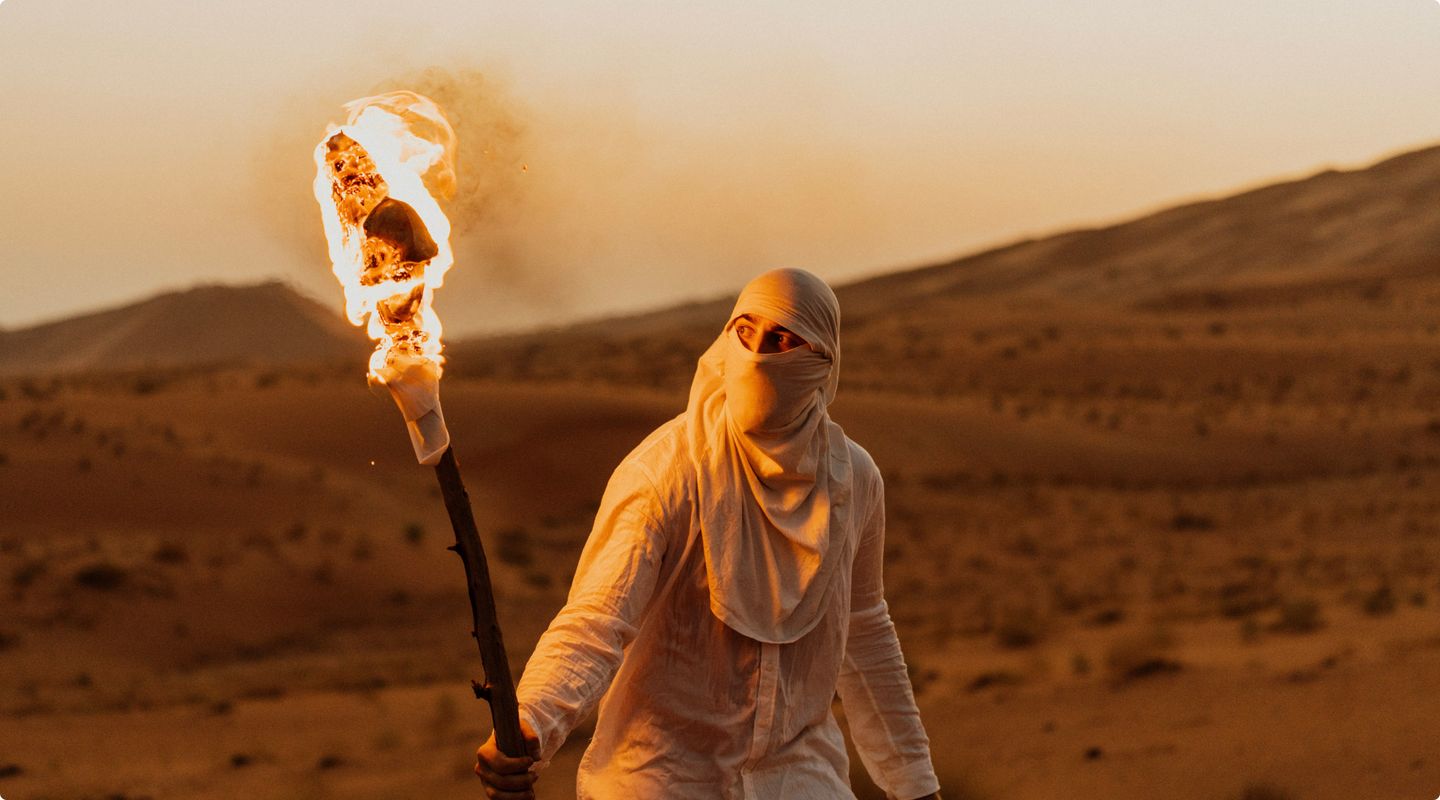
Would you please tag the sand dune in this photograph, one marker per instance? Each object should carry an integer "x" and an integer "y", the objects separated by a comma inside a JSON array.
[
  {"x": 267, "y": 323},
  {"x": 1171, "y": 538}
]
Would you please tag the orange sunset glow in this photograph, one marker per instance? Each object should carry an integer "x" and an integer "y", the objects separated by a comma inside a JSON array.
[{"x": 1026, "y": 399}]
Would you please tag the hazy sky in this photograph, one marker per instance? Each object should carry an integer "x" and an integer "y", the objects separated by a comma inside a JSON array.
[{"x": 670, "y": 150}]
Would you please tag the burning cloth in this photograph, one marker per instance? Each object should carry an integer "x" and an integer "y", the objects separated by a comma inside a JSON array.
[
  {"x": 730, "y": 586},
  {"x": 379, "y": 178}
]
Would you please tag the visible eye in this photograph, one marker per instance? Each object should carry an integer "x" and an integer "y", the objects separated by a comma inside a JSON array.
[
  {"x": 788, "y": 341},
  {"x": 744, "y": 330}
]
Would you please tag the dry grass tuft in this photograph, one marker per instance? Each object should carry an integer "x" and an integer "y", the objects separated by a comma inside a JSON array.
[
  {"x": 1299, "y": 615},
  {"x": 102, "y": 576},
  {"x": 1263, "y": 791},
  {"x": 1139, "y": 655}
]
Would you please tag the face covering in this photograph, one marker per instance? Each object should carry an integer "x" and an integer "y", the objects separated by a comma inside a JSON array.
[
  {"x": 769, "y": 393},
  {"x": 772, "y": 470}
]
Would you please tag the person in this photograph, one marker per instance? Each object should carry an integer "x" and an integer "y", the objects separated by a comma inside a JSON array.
[{"x": 730, "y": 586}]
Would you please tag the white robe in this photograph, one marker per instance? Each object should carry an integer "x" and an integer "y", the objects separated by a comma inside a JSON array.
[{"x": 693, "y": 708}]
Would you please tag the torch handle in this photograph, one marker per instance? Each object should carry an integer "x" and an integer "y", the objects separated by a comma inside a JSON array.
[{"x": 499, "y": 687}]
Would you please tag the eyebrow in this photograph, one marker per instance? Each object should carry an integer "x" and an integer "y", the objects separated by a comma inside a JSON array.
[{"x": 745, "y": 317}]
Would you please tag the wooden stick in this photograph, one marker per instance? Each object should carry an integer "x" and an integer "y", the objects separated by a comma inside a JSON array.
[{"x": 499, "y": 687}]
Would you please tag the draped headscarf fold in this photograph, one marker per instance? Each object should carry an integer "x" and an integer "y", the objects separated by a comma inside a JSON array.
[{"x": 773, "y": 470}]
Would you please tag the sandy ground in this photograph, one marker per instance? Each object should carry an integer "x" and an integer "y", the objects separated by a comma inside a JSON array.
[{"x": 1128, "y": 557}]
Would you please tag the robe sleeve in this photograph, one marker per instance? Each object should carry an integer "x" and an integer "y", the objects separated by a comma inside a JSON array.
[
  {"x": 874, "y": 686},
  {"x": 577, "y": 656}
]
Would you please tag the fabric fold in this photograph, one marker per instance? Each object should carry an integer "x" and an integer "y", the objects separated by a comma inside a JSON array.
[{"x": 772, "y": 468}]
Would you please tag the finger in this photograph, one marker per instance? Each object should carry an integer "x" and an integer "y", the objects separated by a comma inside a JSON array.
[
  {"x": 513, "y": 782},
  {"x": 495, "y": 759},
  {"x": 500, "y": 794},
  {"x": 504, "y": 764}
]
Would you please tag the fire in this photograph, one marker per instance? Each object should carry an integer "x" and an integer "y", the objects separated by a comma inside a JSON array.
[{"x": 379, "y": 179}]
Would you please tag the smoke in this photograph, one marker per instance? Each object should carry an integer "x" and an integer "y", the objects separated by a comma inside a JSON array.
[{"x": 575, "y": 206}]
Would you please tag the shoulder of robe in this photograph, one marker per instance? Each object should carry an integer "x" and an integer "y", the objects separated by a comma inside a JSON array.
[
  {"x": 662, "y": 459},
  {"x": 868, "y": 482}
]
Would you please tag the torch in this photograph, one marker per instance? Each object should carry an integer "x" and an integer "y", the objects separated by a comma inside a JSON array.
[{"x": 379, "y": 178}]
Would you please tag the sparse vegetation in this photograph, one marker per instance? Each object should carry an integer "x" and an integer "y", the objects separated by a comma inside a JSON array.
[
  {"x": 1298, "y": 615},
  {"x": 1140, "y": 654},
  {"x": 171, "y": 553},
  {"x": 102, "y": 576},
  {"x": 993, "y": 678},
  {"x": 1019, "y": 626},
  {"x": 1263, "y": 791},
  {"x": 1379, "y": 602},
  {"x": 363, "y": 549},
  {"x": 1151, "y": 453},
  {"x": 514, "y": 547},
  {"x": 27, "y": 573}
]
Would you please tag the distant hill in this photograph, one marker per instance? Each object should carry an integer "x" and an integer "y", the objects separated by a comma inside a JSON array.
[
  {"x": 267, "y": 323},
  {"x": 1333, "y": 233},
  {"x": 1337, "y": 237},
  {"x": 1335, "y": 240}
]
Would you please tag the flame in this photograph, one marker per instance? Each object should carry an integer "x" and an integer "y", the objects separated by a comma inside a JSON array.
[{"x": 379, "y": 179}]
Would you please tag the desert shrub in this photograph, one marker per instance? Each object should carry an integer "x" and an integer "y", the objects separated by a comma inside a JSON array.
[
  {"x": 8, "y": 640},
  {"x": 514, "y": 547},
  {"x": 1244, "y": 597},
  {"x": 26, "y": 573},
  {"x": 1263, "y": 791},
  {"x": 147, "y": 384},
  {"x": 170, "y": 553},
  {"x": 1249, "y": 630},
  {"x": 101, "y": 576},
  {"x": 362, "y": 550},
  {"x": 1188, "y": 521},
  {"x": 388, "y": 739},
  {"x": 1379, "y": 602},
  {"x": 1107, "y": 616},
  {"x": 1298, "y": 615},
  {"x": 1141, "y": 654},
  {"x": 1019, "y": 627},
  {"x": 414, "y": 534},
  {"x": 998, "y": 677}
]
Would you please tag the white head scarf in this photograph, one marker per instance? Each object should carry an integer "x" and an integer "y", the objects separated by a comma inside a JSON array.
[{"x": 772, "y": 469}]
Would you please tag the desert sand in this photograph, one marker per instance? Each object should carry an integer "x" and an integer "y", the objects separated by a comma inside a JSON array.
[{"x": 1175, "y": 540}]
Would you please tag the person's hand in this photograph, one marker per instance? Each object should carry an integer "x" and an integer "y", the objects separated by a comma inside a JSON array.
[{"x": 507, "y": 778}]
